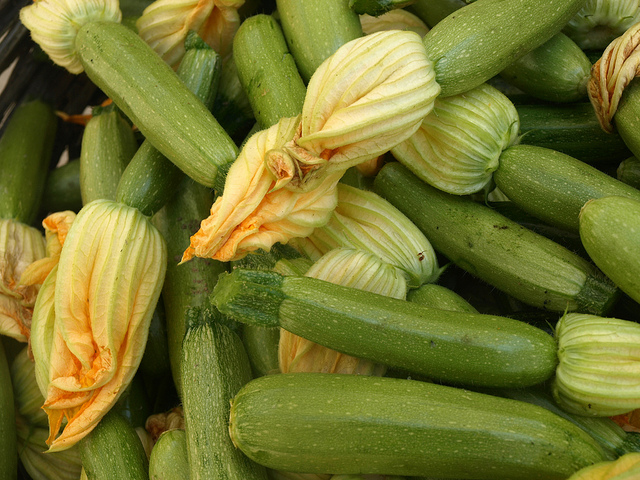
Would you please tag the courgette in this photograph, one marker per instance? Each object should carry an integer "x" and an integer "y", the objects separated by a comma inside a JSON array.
[
  {"x": 62, "y": 189},
  {"x": 168, "y": 460},
  {"x": 437, "y": 296},
  {"x": 527, "y": 266},
  {"x": 402, "y": 427},
  {"x": 8, "y": 434},
  {"x": 629, "y": 172},
  {"x": 451, "y": 346}
]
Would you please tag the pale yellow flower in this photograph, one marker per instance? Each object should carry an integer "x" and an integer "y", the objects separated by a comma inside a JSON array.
[
  {"x": 54, "y": 25},
  {"x": 20, "y": 245},
  {"x": 92, "y": 315},
  {"x": 165, "y": 23},
  {"x": 626, "y": 467},
  {"x": 397, "y": 19}
]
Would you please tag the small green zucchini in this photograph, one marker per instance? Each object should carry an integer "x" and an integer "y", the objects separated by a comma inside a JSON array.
[
  {"x": 267, "y": 70},
  {"x": 26, "y": 146},
  {"x": 629, "y": 172},
  {"x": 437, "y": 296},
  {"x": 214, "y": 368},
  {"x": 433, "y": 11},
  {"x": 627, "y": 117},
  {"x": 315, "y": 29},
  {"x": 62, "y": 189},
  {"x": 609, "y": 229},
  {"x": 168, "y": 460},
  {"x": 527, "y": 266},
  {"x": 8, "y": 434},
  {"x": 478, "y": 41},
  {"x": 402, "y": 427},
  {"x": 460, "y": 347},
  {"x": 553, "y": 186}
]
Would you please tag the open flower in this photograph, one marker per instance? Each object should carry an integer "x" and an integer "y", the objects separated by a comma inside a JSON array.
[
  {"x": 20, "y": 245},
  {"x": 165, "y": 23},
  {"x": 366, "y": 98},
  {"x": 54, "y": 25},
  {"x": 92, "y": 316}
]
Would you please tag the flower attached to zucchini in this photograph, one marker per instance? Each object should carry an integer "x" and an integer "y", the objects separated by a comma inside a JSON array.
[
  {"x": 20, "y": 245},
  {"x": 164, "y": 25},
  {"x": 91, "y": 318},
  {"x": 371, "y": 94}
]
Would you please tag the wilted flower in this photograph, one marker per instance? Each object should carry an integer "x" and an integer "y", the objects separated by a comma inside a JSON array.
[
  {"x": 92, "y": 315},
  {"x": 20, "y": 245},
  {"x": 457, "y": 147},
  {"x": 165, "y": 23},
  {"x": 54, "y": 25}
]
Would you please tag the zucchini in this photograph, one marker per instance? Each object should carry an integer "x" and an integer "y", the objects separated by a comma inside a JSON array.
[
  {"x": 267, "y": 70},
  {"x": 376, "y": 8},
  {"x": 629, "y": 172},
  {"x": 155, "y": 361},
  {"x": 315, "y": 29},
  {"x": 527, "y": 266},
  {"x": 553, "y": 186},
  {"x": 168, "y": 460},
  {"x": 8, "y": 434},
  {"x": 433, "y": 11},
  {"x": 156, "y": 101},
  {"x": 261, "y": 344},
  {"x": 62, "y": 189},
  {"x": 609, "y": 229},
  {"x": 108, "y": 143},
  {"x": 437, "y": 296},
  {"x": 402, "y": 427},
  {"x": 627, "y": 117},
  {"x": 26, "y": 146},
  {"x": 477, "y": 42},
  {"x": 113, "y": 450},
  {"x": 466, "y": 348},
  {"x": 214, "y": 367}
]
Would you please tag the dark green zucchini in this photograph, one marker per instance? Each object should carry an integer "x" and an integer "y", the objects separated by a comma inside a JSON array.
[{"x": 62, "y": 189}]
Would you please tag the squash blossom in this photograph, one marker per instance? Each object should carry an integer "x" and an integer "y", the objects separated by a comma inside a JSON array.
[
  {"x": 370, "y": 95},
  {"x": 165, "y": 23},
  {"x": 626, "y": 467},
  {"x": 20, "y": 245},
  {"x": 91, "y": 318},
  {"x": 349, "y": 268},
  {"x": 51, "y": 28},
  {"x": 397, "y": 19}
]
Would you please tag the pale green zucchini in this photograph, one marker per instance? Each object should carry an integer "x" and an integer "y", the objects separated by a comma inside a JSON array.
[
  {"x": 437, "y": 296},
  {"x": 214, "y": 368},
  {"x": 629, "y": 172},
  {"x": 467, "y": 348},
  {"x": 527, "y": 266},
  {"x": 402, "y": 427},
  {"x": 168, "y": 460}
]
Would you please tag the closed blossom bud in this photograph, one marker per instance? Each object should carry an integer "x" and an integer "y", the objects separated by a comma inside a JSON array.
[
  {"x": 164, "y": 25},
  {"x": 598, "y": 371},
  {"x": 20, "y": 245},
  {"x": 458, "y": 145},
  {"x": 349, "y": 268},
  {"x": 55, "y": 23},
  {"x": 366, "y": 221},
  {"x": 92, "y": 316}
]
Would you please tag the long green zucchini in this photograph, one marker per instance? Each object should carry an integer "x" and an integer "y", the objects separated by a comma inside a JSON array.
[
  {"x": 402, "y": 427},
  {"x": 527, "y": 266},
  {"x": 459, "y": 347}
]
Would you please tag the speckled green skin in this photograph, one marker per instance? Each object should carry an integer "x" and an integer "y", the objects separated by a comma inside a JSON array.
[
  {"x": 330, "y": 423},
  {"x": 153, "y": 97},
  {"x": 168, "y": 460},
  {"x": 437, "y": 296},
  {"x": 460, "y": 347},
  {"x": 477, "y": 42},
  {"x": 553, "y": 186},
  {"x": 610, "y": 233},
  {"x": 527, "y": 266}
]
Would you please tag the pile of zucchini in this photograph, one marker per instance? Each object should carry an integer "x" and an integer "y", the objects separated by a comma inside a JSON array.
[{"x": 511, "y": 351}]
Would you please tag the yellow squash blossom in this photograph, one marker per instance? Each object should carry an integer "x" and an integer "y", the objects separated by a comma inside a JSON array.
[{"x": 92, "y": 315}]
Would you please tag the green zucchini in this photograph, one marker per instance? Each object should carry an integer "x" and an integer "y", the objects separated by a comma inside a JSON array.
[
  {"x": 480, "y": 40},
  {"x": 214, "y": 368},
  {"x": 451, "y": 346},
  {"x": 108, "y": 143},
  {"x": 267, "y": 70},
  {"x": 553, "y": 186},
  {"x": 572, "y": 129},
  {"x": 26, "y": 146},
  {"x": 168, "y": 460},
  {"x": 629, "y": 172},
  {"x": 62, "y": 189},
  {"x": 155, "y": 361},
  {"x": 315, "y": 29},
  {"x": 527, "y": 266},
  {"x": 437, "y": 296},
  {"x": 609, "y": 229},
  {"x": 8, "y": 434},
  {"x": 376, "y": 8},
  {"x": 155, "y": 100},
  {"x": 433, "y": 11},
  {"x": 627, "y": 117},
  {"x": 113, "y": 450},
  {"x": 402, "y": 427},
  {"x": 261, "y": 344}
]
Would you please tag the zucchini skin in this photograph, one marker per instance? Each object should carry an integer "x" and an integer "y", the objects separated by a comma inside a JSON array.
[
  {"x": 168, "y": 460},
  {"x": 155, "y": 100},
  {"x": 627, "y": 117},
  {"x": 553, "y": 186},
  {"x": 62, "y": 189},
  {"x": 527, "y": 266},
  {"x": 8, "y": 434},
  {"x": 458, "y": 347},
  {"x": 332, "y": 423},
  {"x": 478, "y": 41}
]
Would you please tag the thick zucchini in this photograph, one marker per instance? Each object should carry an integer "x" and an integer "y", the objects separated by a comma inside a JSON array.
[
  {"x": 480, "y": 40},
  {"x": 459, "y": 347},
  {"x": 402, "y": 427},
  {"x": 527, "y": 266}
]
